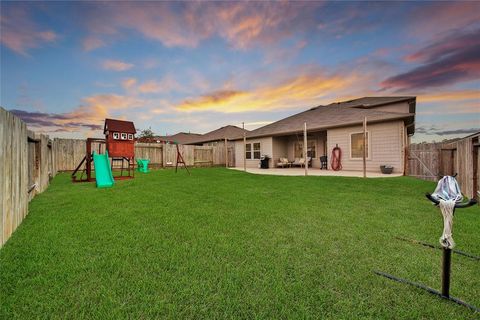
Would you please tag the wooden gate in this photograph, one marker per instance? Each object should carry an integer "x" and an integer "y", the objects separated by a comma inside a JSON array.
[
  {"x": 203, "y": 156},
  {"x": 423, "y": 161}
]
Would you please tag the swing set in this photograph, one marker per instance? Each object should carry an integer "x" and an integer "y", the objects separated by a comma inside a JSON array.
[{"x": 179, "y": 156}]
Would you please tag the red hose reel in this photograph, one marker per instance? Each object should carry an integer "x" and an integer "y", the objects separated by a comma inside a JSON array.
[{"x": 336, "y": 162}]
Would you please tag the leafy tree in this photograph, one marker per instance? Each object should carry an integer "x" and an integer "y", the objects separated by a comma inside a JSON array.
[{"x": 146, "y": 133}]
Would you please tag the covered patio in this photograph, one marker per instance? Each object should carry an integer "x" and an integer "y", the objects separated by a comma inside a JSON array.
[
  {"x": 316, "y": 172},
  {"x": 290, "y": 148}
]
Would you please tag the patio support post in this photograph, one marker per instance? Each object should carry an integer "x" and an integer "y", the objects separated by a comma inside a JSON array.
[
  {"x": 244, "y": 148},
  {"x": 305, "y": 148},
  {"x": 365, "y": 147}
]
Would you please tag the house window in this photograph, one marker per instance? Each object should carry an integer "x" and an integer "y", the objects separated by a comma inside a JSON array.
[
  {"x": 356, "y": 145},
  {"x": 311, "y": 149},
  {"x": 116, "y": 135},
  {"x": 124, "y": 136},
  {"x": 252, "y": 153},
  {"x": 248, "y": 151},
  {"x": 256, "y": 150},
  {"x": 130, "y": 136}
]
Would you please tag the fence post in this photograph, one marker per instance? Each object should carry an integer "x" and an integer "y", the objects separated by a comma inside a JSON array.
[
  {"x": 226, "y": 153},
  {"x": 305, "y": 153},
  {"x": 244, "y": 147},
  {"x": 365, "y": 147}
]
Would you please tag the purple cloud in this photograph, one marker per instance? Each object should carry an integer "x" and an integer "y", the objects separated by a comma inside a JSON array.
[
  {"x": 444, "y": 132},
  {"x": 63, "y": 122},
  {"x": 453, "y": 59}
]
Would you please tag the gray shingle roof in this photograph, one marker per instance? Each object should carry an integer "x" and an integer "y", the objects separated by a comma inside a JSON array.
[
  {"x": 229, "y": 132},
  {"x": 340, "y": 114},
  {"x": 181, "y": 137},
  {"x": 367, "y": 102}
]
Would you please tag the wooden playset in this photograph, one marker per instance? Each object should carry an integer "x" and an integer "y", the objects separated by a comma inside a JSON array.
[{"x": 119, "y": 144}]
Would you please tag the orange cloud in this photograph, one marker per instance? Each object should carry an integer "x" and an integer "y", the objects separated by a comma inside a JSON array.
[
  {"x": 435, "y": 18},
  {"x": 303, "y": 90},
  {"x": 116, "y": 65},
  {"x": 166, "y": 84},
  {"x": 217, "y": 100},
  {"x": 241, "y": 24},
  {"x": 129, "y": 83},
  {"x": 449, "y": 96},
  {"x": 20, "y": 33},
  {"x": 88, "y": 116},
  {"x": 472, "y": 107},
  {"x": 92, "y": 43},
  {"x": 103, "y": 103},
  {"x": 150, "y": 87}
]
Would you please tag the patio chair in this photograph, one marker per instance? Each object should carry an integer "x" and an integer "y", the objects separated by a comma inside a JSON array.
[
  {"x": 283, "y": 162},
  {"x": 299, "y": 162}
]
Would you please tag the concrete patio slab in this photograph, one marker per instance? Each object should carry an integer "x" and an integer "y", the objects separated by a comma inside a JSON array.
[{"x": 316, "y": 172}]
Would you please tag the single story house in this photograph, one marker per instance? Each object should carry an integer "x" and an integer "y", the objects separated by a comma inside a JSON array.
[{"x": 390, "y": 124}]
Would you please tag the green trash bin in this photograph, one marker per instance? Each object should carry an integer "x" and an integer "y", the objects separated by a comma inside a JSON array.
[{"x": 142, "y": 165}]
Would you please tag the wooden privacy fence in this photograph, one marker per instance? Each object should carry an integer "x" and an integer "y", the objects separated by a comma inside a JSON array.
[
  {"x": 69, "y": 152},
  {"x": 29, "y": 160},
  {"x": 431, "y": 161},
  {"x": 26, "y": 166}
]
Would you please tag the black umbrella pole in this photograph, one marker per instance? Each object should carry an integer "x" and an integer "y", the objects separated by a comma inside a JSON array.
[{"x": 446, "y": 264}]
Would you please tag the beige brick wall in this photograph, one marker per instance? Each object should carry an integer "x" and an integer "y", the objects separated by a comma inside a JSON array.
[
  {"x": 265, "y": 148},
  {"x": 386, "y": 146}
]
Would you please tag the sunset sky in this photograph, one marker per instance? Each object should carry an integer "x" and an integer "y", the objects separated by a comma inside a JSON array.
[{"x": 196, "y": 66}]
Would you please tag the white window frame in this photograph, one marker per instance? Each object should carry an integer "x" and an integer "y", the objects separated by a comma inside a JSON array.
[
  {"x": 123, "y": 136},
  {"x": 130, "y": 136},
  {"x": 369, "y": 144},
  {"x": 251, "y": 151},
  {"x": 116, "y": 136},
  {"x": 259, "y": 151}
]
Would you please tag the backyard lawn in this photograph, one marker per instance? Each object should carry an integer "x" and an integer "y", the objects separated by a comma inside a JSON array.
[{"x": 225, "y": 244}]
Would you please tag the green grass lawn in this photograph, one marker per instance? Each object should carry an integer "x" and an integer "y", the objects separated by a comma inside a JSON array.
[{"x": 226, "y": 244}]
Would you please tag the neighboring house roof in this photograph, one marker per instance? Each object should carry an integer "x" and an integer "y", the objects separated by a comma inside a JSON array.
[
  {"x": 119, "y": 126},
  {"x": 181, "y": 137},
  {"x": 229, "y": 132},
  {"x": 340, "y": 114}
]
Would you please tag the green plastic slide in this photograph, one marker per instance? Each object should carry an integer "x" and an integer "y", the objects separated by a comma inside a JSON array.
[{"x": 103, "y": 171}]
